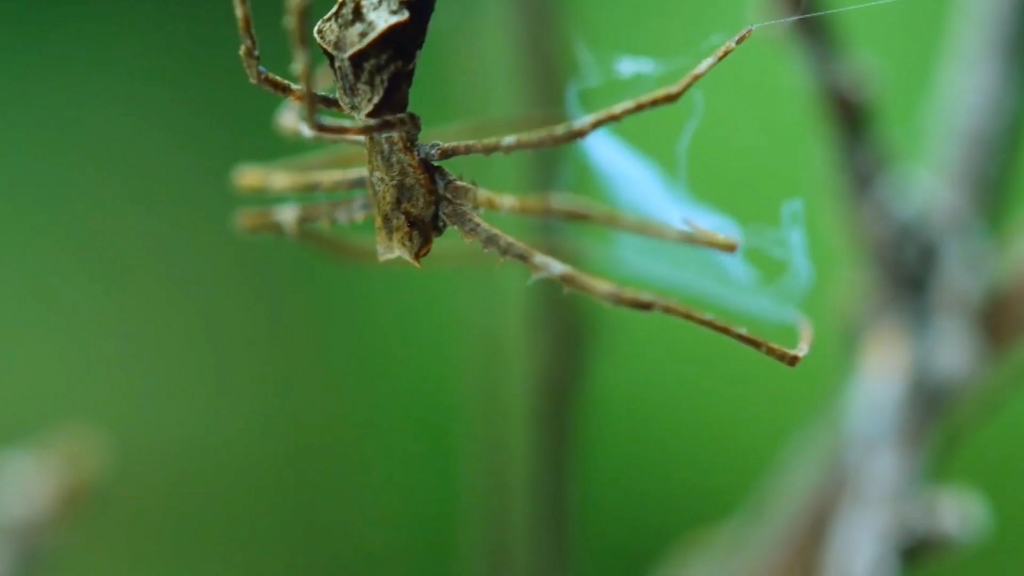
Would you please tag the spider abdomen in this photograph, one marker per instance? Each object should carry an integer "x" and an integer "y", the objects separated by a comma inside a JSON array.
[{"x": 404, "y": 195}]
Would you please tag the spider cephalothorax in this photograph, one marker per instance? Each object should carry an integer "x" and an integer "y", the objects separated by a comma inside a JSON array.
[{"x": 372, "y": 47}]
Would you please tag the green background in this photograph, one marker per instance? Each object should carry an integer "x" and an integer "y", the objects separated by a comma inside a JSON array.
[{"x": 274, "y": 412}]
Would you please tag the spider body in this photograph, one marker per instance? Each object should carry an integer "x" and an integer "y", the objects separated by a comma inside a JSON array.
[
  {"x": 372, "y": 47},
  {"x": 405, "y": 195}
]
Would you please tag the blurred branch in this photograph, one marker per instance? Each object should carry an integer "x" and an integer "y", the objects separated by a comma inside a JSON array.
[
  {"x": 782, "y": 524},
  {"x": 491, "y": 538},
  {"x": 925, "y": 343},
  {"x": 979, "y": 103},
  {"x": 929, "y": 334},
  {"x": 942, "y": 518},
  {"x": 558, "y": 330},
  {"x": 41, "y": 484},
  {"x": 844, "y": 93},
  {"x": 1005, "y": 314}
]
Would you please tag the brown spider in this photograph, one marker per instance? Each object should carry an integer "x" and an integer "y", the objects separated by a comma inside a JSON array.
[{"x": 371, "y": 48}]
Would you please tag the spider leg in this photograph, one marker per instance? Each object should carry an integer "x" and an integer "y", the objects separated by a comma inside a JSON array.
[
  {"x": 473, "y": 228},
  {"x": 308, "y": 224},
  {"x": 325, "y": 129},
  {"x": 578, "y": 208},
  {"x": 298, "y": 222},
  {"x": 258, "y": 74},
  {"x": 338, "y": 247},
  {"x": 266, "y": 179},
  {"x": 325, "y": 170},
  {"x": 288, "y": 119},
  {"x": 290, "y": 218},
  {"x": 350, "y": 249},
  {"x": 573, "y": 130},
  {"x": 296, "y": 15}
]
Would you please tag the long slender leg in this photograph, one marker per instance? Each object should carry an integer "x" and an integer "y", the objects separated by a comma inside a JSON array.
[
  {"x": 260, "y": 76},
  {"x": 289, "y": 121},
  {"x": 334, "y": 129},
  {"x": 296, "y": 14},
  {"x": 290, "y": 217},
  {"x": 572, "y": 207},
  {"x": 299, "y": 222},
  {"x": 351, "y": 249},
  {"x": 335, "y": 157},
  {"x": 269, "y": 180},
  {"x": 475, "y": 229},
  {"x": 342, "y": 248},
  {"x": 574, "y": 130},
  {"x": 294, "y": 220}
]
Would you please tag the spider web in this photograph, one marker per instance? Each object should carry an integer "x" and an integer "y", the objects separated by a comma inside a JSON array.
[{"x": 766, "y": 279}]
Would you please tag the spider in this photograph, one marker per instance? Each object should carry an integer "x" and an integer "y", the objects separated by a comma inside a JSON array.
[{"x": 371, "y": 48}]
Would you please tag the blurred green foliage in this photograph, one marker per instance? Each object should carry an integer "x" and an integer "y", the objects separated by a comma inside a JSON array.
[{"x": 275, "y": 412}]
